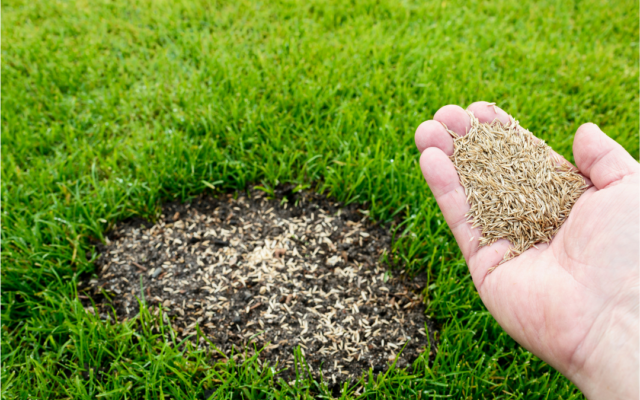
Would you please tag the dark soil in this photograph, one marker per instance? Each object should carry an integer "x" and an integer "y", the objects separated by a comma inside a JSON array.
[{"x": 281, "y": 273}]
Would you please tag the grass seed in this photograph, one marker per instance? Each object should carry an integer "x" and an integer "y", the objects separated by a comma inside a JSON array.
[{"x": 518, "y": 188}]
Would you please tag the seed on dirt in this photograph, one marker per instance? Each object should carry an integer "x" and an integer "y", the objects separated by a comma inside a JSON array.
[
  {"x": 140, "y": 267},
  {"x": 236, "y": 284}
]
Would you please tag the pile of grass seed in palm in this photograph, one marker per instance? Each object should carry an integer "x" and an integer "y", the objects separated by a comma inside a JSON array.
[
  {"x": 518, "y": 188},
  {"x": 294, "y": 272}
]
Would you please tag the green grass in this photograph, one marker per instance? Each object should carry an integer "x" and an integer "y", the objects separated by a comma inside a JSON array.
[{"x": 111, "y": 107}]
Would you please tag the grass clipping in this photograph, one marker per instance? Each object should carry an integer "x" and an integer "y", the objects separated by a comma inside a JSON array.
[{"x": 517, "y": 187}]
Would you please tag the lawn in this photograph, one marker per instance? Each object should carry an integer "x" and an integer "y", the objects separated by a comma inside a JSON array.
[{"x": 110, "y": 108}]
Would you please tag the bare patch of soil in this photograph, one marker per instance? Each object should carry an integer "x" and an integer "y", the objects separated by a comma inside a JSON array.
[{"x": 282, "y": 273}]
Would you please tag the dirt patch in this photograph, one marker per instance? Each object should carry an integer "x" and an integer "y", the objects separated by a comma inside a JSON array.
[{"x": 293, "y": 271}]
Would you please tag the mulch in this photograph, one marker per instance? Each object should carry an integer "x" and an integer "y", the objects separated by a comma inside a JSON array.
[{"x": 296, "y": 271}]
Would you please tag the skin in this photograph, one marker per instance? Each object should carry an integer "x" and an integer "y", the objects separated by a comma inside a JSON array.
[{"x": 575, "y": 301}]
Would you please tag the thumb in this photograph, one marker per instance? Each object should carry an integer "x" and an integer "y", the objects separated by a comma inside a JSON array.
[{"x": 600, "y": 158}]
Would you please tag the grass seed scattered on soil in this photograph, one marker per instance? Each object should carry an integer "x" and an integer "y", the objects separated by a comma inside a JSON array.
[
  {"x": 518, "y": 188},
  {"x": 276, "y": 274}
]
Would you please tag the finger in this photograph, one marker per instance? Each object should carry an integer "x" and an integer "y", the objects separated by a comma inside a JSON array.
[
  {"x": 432, "y": 134},
  {"x": 443, "y": 180},
  {"x": 601, "y": 158},
  {"x": 454, "y": 118},
  {"x": 488, "y": 112}
]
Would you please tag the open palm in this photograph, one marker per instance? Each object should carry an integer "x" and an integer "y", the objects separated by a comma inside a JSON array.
[{"x": 573, "y": 302}]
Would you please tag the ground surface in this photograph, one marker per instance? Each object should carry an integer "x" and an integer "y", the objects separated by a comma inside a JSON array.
[
  {"x": 250, "y": 271},
  {"x": 110, "y": 109}
]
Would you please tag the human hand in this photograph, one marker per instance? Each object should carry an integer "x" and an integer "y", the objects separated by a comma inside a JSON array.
[{"x": 572, "y": 302}]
